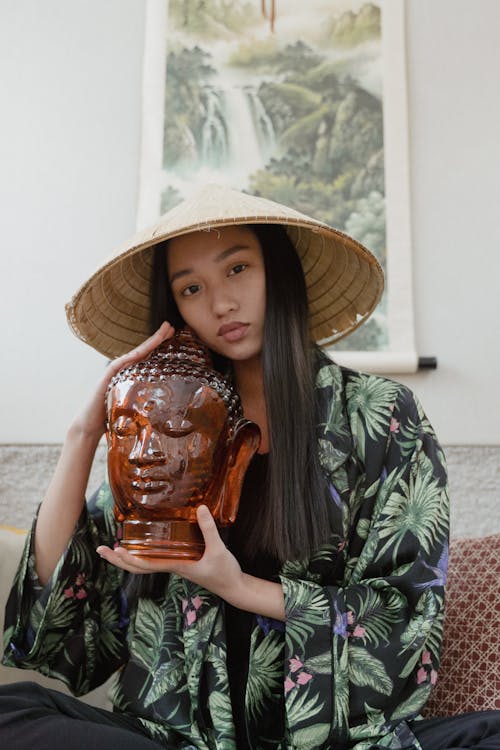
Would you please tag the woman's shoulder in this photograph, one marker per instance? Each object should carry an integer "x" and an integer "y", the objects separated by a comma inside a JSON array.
[
  {"x": 362, "y": 388},
  {"x": 366, "y": 401}
]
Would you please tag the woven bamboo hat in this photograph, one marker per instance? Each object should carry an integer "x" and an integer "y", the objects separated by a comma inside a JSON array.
[{"x": 110, "y": 311}]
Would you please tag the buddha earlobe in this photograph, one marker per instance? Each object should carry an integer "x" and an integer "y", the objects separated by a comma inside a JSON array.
[{"x": 243, "y": 445}]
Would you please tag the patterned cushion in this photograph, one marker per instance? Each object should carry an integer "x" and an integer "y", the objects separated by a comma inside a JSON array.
[{"x": 469, "y": 676}]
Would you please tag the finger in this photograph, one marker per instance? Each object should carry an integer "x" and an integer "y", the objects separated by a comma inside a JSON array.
[
  {"x": 121, "y": 558},
  {"x": 116, "y": 562},
  {"x": 165, "y": 331},
  {"x": 124, "y": 560},
  {"x": 208, "y": 527}
]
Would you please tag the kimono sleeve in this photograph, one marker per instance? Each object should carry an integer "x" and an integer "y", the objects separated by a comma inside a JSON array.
[
  {"x": 73, "y": 629},
  {"x": 362, "y": 656}
]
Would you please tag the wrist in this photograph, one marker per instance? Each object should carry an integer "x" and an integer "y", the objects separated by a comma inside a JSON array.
[
  {"x": 80, "y": 434},
  {"x": 259, "y": 596}
]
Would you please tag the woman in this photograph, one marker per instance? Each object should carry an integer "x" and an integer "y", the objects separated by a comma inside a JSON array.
[{"x": 317, "y": 622}]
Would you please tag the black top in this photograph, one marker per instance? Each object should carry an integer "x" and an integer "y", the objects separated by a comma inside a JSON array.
[{"x": 239, "y": 623}]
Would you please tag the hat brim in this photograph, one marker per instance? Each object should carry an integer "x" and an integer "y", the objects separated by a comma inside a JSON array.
[{"x": 111, "y": 310}]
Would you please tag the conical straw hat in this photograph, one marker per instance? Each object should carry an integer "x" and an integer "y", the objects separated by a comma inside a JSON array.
[{"x": 111, "y": 310}]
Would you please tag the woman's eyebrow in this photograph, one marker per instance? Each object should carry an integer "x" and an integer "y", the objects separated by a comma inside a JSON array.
[
  {"x": 229, "y": 251},
  {"x": 218, "y": 258},
  {"x": 178, "y": 274}
]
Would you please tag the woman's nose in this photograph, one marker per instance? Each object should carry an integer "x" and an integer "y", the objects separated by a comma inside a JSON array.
[
  {"x": 147, "y": 448},
  {"x": 223, "y": 303}
]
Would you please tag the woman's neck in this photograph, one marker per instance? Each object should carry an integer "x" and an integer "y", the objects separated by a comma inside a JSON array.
[{"x": 249, "y": 381}]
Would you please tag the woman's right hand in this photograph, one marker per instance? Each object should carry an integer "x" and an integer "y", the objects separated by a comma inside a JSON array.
[{"x": 91, "y": 421}]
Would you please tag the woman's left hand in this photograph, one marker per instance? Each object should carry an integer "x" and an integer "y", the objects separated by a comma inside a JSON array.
[{"x": 218, "y": 570}]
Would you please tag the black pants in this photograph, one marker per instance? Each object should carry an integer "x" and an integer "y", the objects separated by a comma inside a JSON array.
[
  {"x": 36, "y": 718},
  {"x": 479, "y": 730}
]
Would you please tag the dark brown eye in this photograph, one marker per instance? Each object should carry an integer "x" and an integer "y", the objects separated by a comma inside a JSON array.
[
  {"x": 238, "y": 268},
  {"x": 190, "y": 290}
]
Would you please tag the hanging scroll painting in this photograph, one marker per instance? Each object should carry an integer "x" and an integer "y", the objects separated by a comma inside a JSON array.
[{"x": 302, "y": 103}]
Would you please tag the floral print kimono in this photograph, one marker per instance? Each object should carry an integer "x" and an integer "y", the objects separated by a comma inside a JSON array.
[{"x": 358, "y": 655}]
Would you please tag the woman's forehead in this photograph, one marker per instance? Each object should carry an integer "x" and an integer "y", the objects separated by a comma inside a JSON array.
[{"x": 199, "y": 245}]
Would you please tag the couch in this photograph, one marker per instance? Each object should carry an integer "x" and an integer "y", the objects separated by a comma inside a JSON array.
[
  {"x": 11, "y": 547},
  {"x": 469, "y": 677}
]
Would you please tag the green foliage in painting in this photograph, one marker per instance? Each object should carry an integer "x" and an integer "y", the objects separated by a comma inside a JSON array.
[{"x": 320, "y": 131}]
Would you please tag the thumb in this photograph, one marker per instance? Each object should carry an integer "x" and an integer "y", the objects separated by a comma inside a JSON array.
[{"x": 207, "y": 526}]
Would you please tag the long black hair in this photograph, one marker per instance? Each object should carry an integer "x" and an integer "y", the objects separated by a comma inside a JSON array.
[{"x": 293, "y": 520}]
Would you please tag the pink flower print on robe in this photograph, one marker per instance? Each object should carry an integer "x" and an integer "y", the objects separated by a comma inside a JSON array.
[
  {"x": 295, "y": 664},
  {"x": 77, "y": 591},
  {"x": 425, "y": 674},
  {"x": 394, "y": 426},
  {"x": 190, "y": 609},
  {"x": 421, "y": 675},
  {"x": 359, "y": 632},
  {"x": 426, "y": 658},
  {"x": 303, "y": 678}
]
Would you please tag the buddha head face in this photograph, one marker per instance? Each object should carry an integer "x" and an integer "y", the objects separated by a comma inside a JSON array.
[{"x": 174, "y": 432}]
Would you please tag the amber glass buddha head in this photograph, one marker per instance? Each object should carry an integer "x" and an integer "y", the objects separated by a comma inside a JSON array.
[{"x": 176, "y": 439}]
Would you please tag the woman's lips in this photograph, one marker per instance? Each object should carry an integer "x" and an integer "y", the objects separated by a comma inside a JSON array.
[{"x": 233, "y": 331}]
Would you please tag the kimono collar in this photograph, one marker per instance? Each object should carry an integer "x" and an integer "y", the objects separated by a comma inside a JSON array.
[{"x": 335, "y": 443}]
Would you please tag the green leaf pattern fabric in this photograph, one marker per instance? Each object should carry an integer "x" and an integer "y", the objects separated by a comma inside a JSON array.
[{"x": 359, "y": 652}]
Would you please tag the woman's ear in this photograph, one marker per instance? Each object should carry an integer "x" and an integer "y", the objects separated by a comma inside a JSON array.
[{"x": 240, "y": 450}]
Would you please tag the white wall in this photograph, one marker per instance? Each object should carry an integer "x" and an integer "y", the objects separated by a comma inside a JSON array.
[
  {"x": 454, "y": 115},
  {"x": 69, "y": 155}
]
